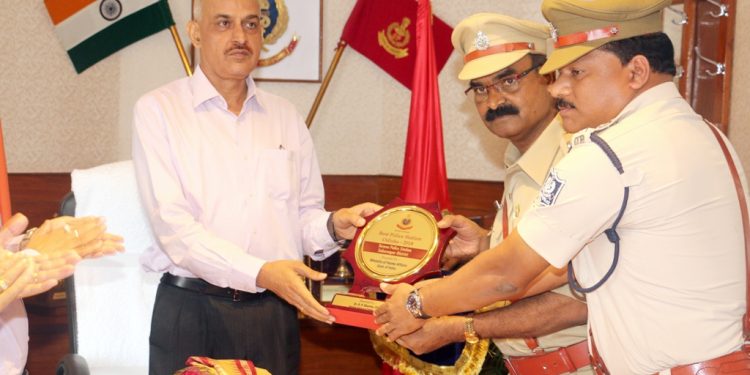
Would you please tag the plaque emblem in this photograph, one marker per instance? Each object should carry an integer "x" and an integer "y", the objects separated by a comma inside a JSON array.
[
  {"x": 274, "y": 17},
  {"x": 405, "y": 224},
  {"x": 110, "y": 9},
  {"x": 395, "y": 38}
]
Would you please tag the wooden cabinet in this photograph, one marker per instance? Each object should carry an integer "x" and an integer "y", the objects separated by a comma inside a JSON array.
[{"x": 706, "y": 51}]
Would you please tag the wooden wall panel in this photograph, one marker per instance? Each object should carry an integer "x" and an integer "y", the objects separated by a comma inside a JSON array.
[
  {"x": 470, "y": 198},
  {"x": 37, "y": 196}
]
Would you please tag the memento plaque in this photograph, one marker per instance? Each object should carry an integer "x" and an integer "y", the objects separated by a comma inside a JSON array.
[{"x": 401, "y": 243}]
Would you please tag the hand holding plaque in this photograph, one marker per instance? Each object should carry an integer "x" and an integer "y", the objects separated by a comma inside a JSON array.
[{"x": 401, "y": 243}]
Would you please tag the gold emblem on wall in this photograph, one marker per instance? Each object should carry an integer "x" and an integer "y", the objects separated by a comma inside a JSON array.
[
  {"x": 395, "y": 38},
  {"x": 274, "y": 17},
  {"x": 281, "y": 54}
]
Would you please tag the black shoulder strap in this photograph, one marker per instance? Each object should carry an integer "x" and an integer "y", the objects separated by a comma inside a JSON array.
[{"x": 612, "y": 231}]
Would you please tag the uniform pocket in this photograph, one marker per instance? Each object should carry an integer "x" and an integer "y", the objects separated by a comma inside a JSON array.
[{"x": 278, "y": 172}]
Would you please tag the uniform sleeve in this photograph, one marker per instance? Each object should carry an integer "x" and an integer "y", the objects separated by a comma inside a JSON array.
[
  {"x": 316, "y": 241},
  {"x": 187, "y": 242},
  {"x": 578, "y": 201}
]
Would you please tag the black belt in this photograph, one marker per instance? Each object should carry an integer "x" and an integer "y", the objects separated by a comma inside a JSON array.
[{"x": 203, "y": 287}]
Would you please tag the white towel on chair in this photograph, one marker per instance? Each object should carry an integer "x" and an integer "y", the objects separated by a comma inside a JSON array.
[
  {"x": 114, "y": 296},
  {"x": 110, "y": 190}
]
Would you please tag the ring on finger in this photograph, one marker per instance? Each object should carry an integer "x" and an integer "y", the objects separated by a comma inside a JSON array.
[
  {"x": 75, "y": 233},
  {"x": 3, "y": 285},
  {"x": 67, "y": 228}
]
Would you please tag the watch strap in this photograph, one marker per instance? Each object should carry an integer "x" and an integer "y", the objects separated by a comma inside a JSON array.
[{"x": 470, "y": 335}]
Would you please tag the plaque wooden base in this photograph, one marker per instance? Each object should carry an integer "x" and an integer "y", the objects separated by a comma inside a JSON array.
[{"x": 354, "y": 310}]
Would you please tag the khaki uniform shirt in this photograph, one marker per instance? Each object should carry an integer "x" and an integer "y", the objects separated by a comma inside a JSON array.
[
  {"x": 677, "y": 295},
  {"x": 525, "y": 174}
]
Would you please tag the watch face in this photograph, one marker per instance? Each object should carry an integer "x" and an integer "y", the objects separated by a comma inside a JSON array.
[
  {"x": 411, "y": 305},
  {"x": 472, "y": 339}
]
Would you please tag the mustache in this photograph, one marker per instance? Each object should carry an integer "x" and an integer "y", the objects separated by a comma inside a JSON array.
[
  {"x": 563, "y": 104},
  {"x": 238, "y": 47},
  {"x": 504, "y": 110}
]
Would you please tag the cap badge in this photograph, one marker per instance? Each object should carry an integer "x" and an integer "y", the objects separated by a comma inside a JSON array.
[
  {"x": 552, "y": 31},
  {"x": 481, "y": 42}
]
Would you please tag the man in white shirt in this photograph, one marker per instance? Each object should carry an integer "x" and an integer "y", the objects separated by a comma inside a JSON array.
[
  {"x": 646, "y": 189},
  {"x": 229, "y": 178}
]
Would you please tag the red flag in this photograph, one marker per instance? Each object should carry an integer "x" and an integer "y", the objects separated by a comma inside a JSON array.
[
  {"x": 384, "y": 31},
  {"x": 424, "y": 178},
  {"x": 5, "y": 211}
]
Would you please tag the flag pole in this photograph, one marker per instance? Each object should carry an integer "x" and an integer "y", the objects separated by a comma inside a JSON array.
[
  {"x": 4, "y": 188},
  {"x": 326, "y": 81},
  {"x": 180, "y": 50}
]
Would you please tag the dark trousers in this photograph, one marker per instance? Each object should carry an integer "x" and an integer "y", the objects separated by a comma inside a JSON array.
[{"x": 187, "y": 323}]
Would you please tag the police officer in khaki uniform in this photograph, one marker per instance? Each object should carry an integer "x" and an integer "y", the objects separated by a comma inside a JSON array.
[
  {"x": 501, "y": 58},
  {"x": 646, "y": 187}
]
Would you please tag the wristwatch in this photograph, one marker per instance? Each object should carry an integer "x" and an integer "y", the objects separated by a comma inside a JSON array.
[
  {"x": 340, "y": 242},
  {"x": 414, "y": 305},
  {"x": 469, "y": 333}
]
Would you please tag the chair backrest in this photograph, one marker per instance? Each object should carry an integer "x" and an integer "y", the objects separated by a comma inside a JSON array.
[{"x": 113, "y": 297}]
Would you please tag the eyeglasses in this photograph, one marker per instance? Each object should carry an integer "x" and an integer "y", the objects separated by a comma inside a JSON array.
[{"x": 508, "y": 84}]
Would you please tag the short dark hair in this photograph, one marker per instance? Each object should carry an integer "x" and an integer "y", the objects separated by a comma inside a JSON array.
[{"x": 656, "y": 47}]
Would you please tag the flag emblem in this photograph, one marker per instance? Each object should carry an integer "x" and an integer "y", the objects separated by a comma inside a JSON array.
[
  {"x": 396, "y": 38},
  {"x": 110, "y": 9},
  {"x": 384, "y": 29}
]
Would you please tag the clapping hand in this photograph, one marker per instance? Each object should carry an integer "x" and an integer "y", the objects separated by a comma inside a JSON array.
[
  {"x": 85, "y": 235},
  {"x": 28, "y": 273},
  {"x": 12, "y": 228},
  {"x": 16, "y": 274}
]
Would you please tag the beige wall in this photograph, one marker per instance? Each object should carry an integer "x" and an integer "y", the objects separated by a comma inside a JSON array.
[{"x": 55, "y": 120}]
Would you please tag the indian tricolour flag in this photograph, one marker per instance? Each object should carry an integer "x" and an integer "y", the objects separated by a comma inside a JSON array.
[{"x": 91, "y": 30}]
